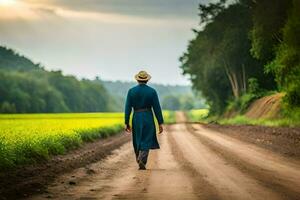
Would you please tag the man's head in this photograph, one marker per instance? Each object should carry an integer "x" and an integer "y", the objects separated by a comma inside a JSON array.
[{"x": 142, "y": 77}]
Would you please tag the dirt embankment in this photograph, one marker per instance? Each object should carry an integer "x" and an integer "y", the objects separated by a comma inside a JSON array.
[
  {"x": 27, "y": 180},
  {"x": 266, "y": 107}
]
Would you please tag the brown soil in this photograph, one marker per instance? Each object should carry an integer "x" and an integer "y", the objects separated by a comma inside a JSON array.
[
  {"x": 194, "y": 162},
  {"x": 283, "y": 140}
]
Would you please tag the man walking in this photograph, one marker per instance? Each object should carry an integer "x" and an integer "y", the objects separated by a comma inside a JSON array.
[{"x": 143, "y": 99}]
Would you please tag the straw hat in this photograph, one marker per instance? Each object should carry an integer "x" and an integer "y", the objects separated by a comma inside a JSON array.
[{"x": 142, "y": 76}]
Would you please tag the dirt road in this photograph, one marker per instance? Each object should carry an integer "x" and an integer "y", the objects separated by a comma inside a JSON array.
[{"x": 193, "y": 163}]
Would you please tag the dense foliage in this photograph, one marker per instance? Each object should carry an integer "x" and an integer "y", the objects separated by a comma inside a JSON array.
[
  {"x": 286, "y": 65},
  {"x": 26, "y": 87},
  {"x": 244, "y": 45}
]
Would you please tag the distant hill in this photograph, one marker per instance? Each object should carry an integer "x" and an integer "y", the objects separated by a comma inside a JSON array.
[
  {"x": 10, "y": 60},
  {"x": 25, "y": 87},
  {"x": 172, "y": 97}
]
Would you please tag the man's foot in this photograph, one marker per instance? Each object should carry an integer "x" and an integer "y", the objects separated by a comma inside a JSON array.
[{"x": 142, "y": 166}]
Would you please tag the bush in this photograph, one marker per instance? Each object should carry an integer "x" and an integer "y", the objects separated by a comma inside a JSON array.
[
  {"x": 246, "y": 100},
  {"x": 293, "y": 96},
  {"x": 197, "y": 115},
  {"x": 253, "y": 86},
  {"x": 242, "y": 103}
]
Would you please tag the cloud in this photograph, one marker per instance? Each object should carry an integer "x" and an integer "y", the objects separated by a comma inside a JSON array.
[
  {"x": 110, "y": 38},
  {"x": 107, "y": 11},
  {"x": 38, "y": 12},
  {"x": 24, "y": 11},
  {"x": 141, "y": 8},
  {"x": 46, "y": 10}
]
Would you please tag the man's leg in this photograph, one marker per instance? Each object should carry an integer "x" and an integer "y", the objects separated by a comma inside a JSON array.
[{"x": 142, "y": 158}]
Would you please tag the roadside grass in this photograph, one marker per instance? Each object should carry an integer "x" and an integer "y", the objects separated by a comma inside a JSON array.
[
  {"x": 242, "y": 120},
  {"x": 202, "y": 116},
  {"x": 197, "y": 115}
]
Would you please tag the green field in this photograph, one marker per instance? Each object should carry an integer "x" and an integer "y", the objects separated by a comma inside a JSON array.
[{"x": 29, "y": 138}]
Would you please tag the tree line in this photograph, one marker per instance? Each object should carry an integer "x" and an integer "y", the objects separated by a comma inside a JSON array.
[
  {"x": 172, "y": 97},
  {"x": 26, "y": 87},
  {"x": 245, "y": 47}
]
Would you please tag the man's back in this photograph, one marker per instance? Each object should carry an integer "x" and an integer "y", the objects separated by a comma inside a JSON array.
[{"x": 142, "y": 96}]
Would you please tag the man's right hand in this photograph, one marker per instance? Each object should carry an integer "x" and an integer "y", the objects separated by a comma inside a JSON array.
[
  {"x": 128, "y": 128},
  {"x": 160, "y": 128}
]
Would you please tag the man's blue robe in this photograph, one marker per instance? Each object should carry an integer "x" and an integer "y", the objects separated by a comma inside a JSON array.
[{"x": 143, "y": 127}]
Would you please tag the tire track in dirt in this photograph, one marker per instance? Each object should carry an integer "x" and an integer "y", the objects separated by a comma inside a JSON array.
[
  {"x": 230, "y": 182},
  {"x": 272, "y": 170},
  {"x": 164, "y": 179},
  {"x": 168, "y": 179},
  {"x": 202, "y": 188},
  {"x": 117, "y": 177}
]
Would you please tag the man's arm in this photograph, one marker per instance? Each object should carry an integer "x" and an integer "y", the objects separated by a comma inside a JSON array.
[
  {"x": 128, "y": 109},
  {"x": 158, "y": 112}
]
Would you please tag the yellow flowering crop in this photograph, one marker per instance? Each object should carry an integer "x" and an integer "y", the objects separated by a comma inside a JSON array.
[{"x": 25, "y": 138}]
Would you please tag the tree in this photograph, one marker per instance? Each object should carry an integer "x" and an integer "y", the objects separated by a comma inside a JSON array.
[
  {"x": 286, "y": 65},
  {"x": 27, "y": 87},
  {"x": 96, "y": 98},
  {"x": 218, "y": 60},
  {"x": 69, "y": 86},
  {"x": 213, "y": 59},
  {"x": 269, "y": 17}
]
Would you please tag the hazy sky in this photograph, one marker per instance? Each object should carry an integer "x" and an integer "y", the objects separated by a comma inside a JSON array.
[{"x": 112, "y": 39}]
